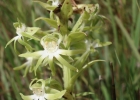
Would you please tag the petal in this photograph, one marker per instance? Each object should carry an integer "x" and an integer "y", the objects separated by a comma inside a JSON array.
[
  {"x": 40, "y": 60},
  {"x": 51, "y": 90},
  {"x": 33, "y": 80},
  {"x": 25, "y": 44},
  {"x": 65, "y": 63},
  {"x": 51, "y": 64},
  {"x": 45, "y": 61},
  {"x": 32, "y": 30},
  {"x": 20, "y": 67},
  {"x": 36, "y": 54},
  {"x": 29, "y": 97},
  {"x": 15, "y": 48},
  {"x": 43, "y": 83},
  {"x": 55, "y": 96},
  {"x": 25, "y": 34},
  {"x": 55, "y": 86},
  {"x": 26, "y": 70},
  {"x": 10, "y": 41}
]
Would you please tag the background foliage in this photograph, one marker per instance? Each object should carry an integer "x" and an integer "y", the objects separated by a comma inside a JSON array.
[{"x": 122, "y": 28}]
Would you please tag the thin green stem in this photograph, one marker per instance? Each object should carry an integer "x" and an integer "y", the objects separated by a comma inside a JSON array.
[
  {"x": 128, "y": 38},
  {"x": 67, "y": 78},
  {"x": 112, "y": 22}
]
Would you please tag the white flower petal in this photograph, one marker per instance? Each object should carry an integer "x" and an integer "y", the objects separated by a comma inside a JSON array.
[
  {"x": 21, "y": 29},
  {"x": 55, "y": 2}
]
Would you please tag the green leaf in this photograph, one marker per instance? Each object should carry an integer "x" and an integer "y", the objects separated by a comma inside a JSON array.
[
  {"x": 51, "y": 64},
  {"x": 66, "y": 9},
  {"x": 53, "y": 84},
  {"x": 65, "y": 63},
  {"x": 55, "y": 95},
  {"x": 46, "y": 6},
  {"x": 74, "y": 78},
  {"x": 79, "y": 45},
  {"x": 50, "y": 22},
  {"x": 85, "y": 16},
  {"x": 70, "y": 52},
  {"x": 52, "y": 15},
  {"x": 76, "y": 36},
  {"x": 67, "y": 58},
  {"x": 51, "y": 90},
  {"x": 80, "y": 62},
  {"x": 84, "y": 94},
  {"x": 54, "y": 23}
]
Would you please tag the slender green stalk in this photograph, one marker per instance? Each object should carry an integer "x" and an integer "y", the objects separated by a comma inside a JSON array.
[
  {"x": 112, "y": 22},
  {"x": 129, "y": 40},
  {"x": 138, "y": 5}
]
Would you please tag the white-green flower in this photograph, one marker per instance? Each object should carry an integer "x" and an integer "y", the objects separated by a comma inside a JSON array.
[
  {"x": 52, "y": 53},
  {"x": 23, "y": 31},
  {"x": 42, "y": 92},
  {"x": 39, "y": 94}
]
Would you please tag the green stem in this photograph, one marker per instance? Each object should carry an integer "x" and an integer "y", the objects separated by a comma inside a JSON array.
[
  {"x": 128, "y": 38},
  {"x": 68, "y": 96},
  {"x": 112, "y": 22},
  {"x": 67, "y": 78}
]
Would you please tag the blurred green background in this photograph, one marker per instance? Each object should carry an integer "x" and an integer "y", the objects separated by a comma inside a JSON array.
[{"x": 122, "y": 28}]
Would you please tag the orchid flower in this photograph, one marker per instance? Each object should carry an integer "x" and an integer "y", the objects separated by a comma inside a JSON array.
[
  {"x": 51, "y": 45},
  {"x": 23, "y": 31},
  {"x": 42, "y": 92},
  {"x": 28, "y": 65},
  {"x": 51, "y": 5}
]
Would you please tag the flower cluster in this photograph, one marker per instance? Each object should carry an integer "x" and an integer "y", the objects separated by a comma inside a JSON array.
[{"x": 65, "y": 46}]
